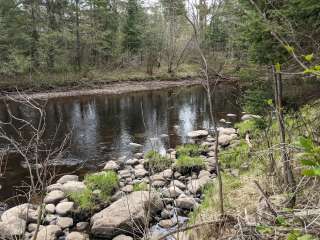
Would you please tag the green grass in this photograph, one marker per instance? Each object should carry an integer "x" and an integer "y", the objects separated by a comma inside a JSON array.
[
  {"x": 192, "y": 150},
  {"x": 236, "y": 156},
  {"x": 156, "y": 162},
  {"x": 84, "y": 200},
  {"x": 140, "y": 187},
  {"x": 245, "y": 127},
  {"x": 106, "y": 182},
  {"x": 186, "y": 164}
]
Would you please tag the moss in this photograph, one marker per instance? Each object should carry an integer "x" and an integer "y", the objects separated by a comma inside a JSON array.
[
  {"x": 85, "y": 199},
  {"x": 156, "y": 162},
  {"x": 106, "y": 182},
  {"x": 192, "y": 150},
  {"x": 140, "y": 187},
  {"x": 236, "y": 156},
  {"x": 186, "y": 164}
]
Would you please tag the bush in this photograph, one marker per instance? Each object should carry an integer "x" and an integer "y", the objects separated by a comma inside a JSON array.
[
  {"x": 186, "y": 164},
  {"x": 106, "y": 182},
  {"x": 192, "y": 150},
  {"x": 156, "y": 162},
  {"x": 85, "y": 199},
  {"x": 236, "y": 156}
]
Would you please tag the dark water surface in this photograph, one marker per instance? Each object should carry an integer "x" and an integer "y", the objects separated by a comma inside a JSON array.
[{"x": 103, "y": 126}]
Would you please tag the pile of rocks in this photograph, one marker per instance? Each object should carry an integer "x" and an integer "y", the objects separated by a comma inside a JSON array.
[{"x": 168, "y": 195}]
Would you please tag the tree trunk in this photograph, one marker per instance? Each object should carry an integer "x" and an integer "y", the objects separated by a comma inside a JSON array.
[
  {"x": 78, "y": 47},
  {"x": 34, "y": 37},
  {"x": 287, "y": 170},
  {"x": 52, "y": 27}
]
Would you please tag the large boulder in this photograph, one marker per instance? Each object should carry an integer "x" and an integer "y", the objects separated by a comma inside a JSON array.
[
  {"x": 12, "y": 228},
  {"x": 186, "y": 202},
  {"x": 68, "y": 178},
  {"x": 196, "y": 185},
  {"x": 50, "y": 232},
  {"x": 226, "y": 131},
  {"x": 64, "y": 208},
  {"x": 24, "y": 211},
  {"x": 73, "y": 187},
  {"x": 198, "y": 134},
  {"x": 54, "y": 196},
  {"x": 111, "y": 165},
  {"x": 125, "y": 215},
  {"x": 225, "y": 139}
]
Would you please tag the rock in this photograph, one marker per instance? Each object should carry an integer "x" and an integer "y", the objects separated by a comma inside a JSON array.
[
  {"x": 226, "y": 131},
  {"x": 24, "y": 211},
  {"x": 158, "y": 177},
  {"x": 177, "y": 175},
  {"x": 165, "y": 214},
  {"x": 172, "y": 192},
  {"x": 178, "y": 184},
  {"x": 185, "y": 202},
  {"x": 77, "y": 236},
  {"x": 54, "y": 196},
  {"x": 138, "y": 155},
  {"x": 82, "y": 226},
  {"x": 64, "y": 208},
  {"x": 167, "y": 173},
  {"x": 135, "y": 145},
  {"x": 33, "y": 226},
  {"x": 196, "y": 185},
  {"x": 124, "y": 173},
  {"x": 140, "y": 172},
  {"x": 50, "y": 208},
  {"x": 198, "y": 134},
  {"x": 122, "y": 237},
  {"x": 158, "y": 184},
  {"x": 68, "y": 178},
  {"x": 73, "y": 187},
  {"x": 127, "y": 189},
  {"x": 132, "y": 162},
  {"x": 231, "y": 115},
  {"x": 125, "y": 214},
  {"x": 204, "y": 173},
  {"x": 65, "y": 222},
  {"x": 222, "y": 120},
  {"x": 249, "y": 117},
  {"x": 12, "y": 228},
  {"x": 168, "y": 223},
  {"x": 50, "y": 218},
  {"x": 111, "y": 165},
  {"x": 51, "y": 232},
  {"x": 224, "y": 140},
  {"x": 56, "y": 186}
]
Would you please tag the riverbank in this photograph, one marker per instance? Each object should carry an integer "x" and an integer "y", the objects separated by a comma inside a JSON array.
[{"x": 113, "y": 88}]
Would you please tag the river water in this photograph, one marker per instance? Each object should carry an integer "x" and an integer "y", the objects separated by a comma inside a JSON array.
[{"x": 102, "y": 127}]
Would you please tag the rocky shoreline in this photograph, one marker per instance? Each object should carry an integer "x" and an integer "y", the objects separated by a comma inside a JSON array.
[{"x": 161, "y": 206}]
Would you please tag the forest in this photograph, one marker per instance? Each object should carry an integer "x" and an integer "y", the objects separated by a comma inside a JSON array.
[{"x": 159, "y": 119}]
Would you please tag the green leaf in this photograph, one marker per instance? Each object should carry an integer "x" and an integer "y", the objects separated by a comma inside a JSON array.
[
  {"x": 306, "y": 144},
  {"x": 308, "y": 162},
  {"x": 306, "y": 237},
  {"x": 314, "y": 172},
  {"x": 280, "y": 220},
  {"x": 309, "y": 57},
  {"x": 278, "y": 67}
]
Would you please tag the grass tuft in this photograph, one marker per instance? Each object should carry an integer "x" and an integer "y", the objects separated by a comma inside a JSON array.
[
  {"x": 186, "y": 164},
  {"x": 192, "y": 150},
  {"x": 156, "y": 162}
]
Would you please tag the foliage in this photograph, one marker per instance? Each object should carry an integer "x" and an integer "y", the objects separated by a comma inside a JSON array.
[
  {"x": 310, "y": 156},
  {"x": 140, "y": 187},
  {"x": 84, "y": 199},
  {"x": 236, "y": 156},
  {"x": 107, "y": 182},
  {"x": 247, "y": 126},
  {"x": 186, "y": 164},
  {"x": 192, "y": 150},
  {"x": 156, "y": 162}
]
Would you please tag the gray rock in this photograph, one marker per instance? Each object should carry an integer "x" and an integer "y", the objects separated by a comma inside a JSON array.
[
  {"x": 226, "y": 131},
  {"x": 232, "y": 115},
  {"x": 82, "y": 226},
  {"x": 198, "y": 134},
  {"x": 177, "y": 175},
  {"x": 12, "y": 227},
  {"x": 140, "y": 172},
  {"x": 64, "y": 208},
  {"x": 125, "y": 173},
  {"x": 68, "y": 178},
  {"x": 138, "y": 155},
  {"x": 196, "y": 185},
  {"x": 122, "y": 237},
  {"x": 178, "y": 184},
  {"x": 249, "y": 117},
  {"x": 54, "y": 196},
  {"x": 73, "y": 187},
  {"x": 186, "y": 202},
  {"x": 165, "y": 214},
  {"x": 125, "y": 214},
  {"x": 33, "y": 226},
  {"x": 24, "y": 211},
  {"x": 65, "y": 222},
  {"x": 158, "y": 177},
  {"x": 224, "y": 139},
  {"x": 51, "y": 232},
  {"x": 168, "y": 223},
  {"x": 158, "y": 184},
  {"x": 50, "y": 208},
  {"x": 56, "y": 186},
  {"x": 172, "y": 192},
  {"x": 204, "y": 173},
  {"x": 77, "y": 236},
  {"x": 135, "y": 145},
  {"x": 111, "y": 165},
  {"x": 127, "y": 189},
  {"x": 50, "y": 218},
  {"x": 133, "y": 161},
  {"x": 167, "y": 173}
]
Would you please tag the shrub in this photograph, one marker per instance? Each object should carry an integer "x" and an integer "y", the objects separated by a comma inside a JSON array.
[
  {"x": 192, "y": 150},
  {"x": 236, "y": 156},
  {"x": 106, "y": 182},
  {"x": 84, "y": 199},
  {"x": 156, "y": 162},
  {"x": 140, "y": 187},
  {"x": 186, "y": 164}
]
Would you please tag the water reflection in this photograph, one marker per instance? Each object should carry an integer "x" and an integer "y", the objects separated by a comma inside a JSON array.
[{"x": 103, "y": 126}]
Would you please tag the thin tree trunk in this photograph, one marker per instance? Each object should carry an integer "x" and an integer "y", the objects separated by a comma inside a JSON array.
[
  {"x": 52, "y": 27},
  {"x": 78, "y": 47},
  {"x": 287, "y": 170},
  {"x": 35, "y": 38}
]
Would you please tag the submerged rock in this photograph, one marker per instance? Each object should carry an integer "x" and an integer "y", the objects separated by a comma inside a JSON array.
[{"x": 125, "y": 214}]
